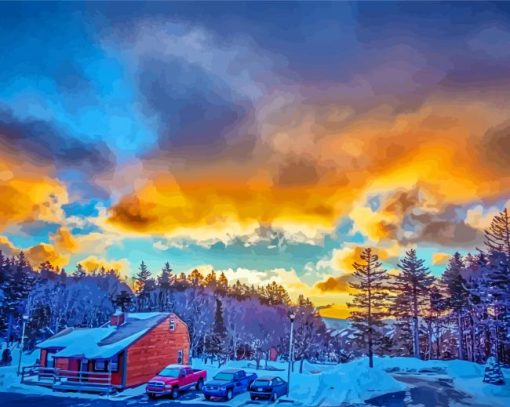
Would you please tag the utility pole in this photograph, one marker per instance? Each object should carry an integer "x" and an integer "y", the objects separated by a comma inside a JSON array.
[
  {"x": 25, "y": 319},
  {"x": 292, "y": 317}
]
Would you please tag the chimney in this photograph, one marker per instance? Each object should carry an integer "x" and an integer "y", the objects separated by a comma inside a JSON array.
[{"x": 118, "y": 318}]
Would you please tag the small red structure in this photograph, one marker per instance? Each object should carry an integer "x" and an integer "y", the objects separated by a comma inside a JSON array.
[
  {"x": 273, "y": 354},
  {"x": 127, "y": 352}
]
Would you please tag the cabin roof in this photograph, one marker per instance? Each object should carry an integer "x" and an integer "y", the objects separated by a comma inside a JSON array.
[{"x": 103, "y": 342}]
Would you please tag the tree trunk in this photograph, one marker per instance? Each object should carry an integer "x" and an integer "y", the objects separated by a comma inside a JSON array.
[
  {"x": 438, "y": 340},
  {"x": 416, "y": 338},
  {"x": 460, "y": 337},
  {"x": 416, "y": 332},
  {"x": 370, "y": 339},
  {"x": 473, "y": 340},
  {"x": 429, "y": 347}
]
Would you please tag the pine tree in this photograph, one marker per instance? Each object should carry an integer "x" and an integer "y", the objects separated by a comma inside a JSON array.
[
  {"x": 222, "y": 284},
  {"x": 274, "y": 294},
  {"x": 410, "y": 288},
  {"x": 181, "y": 282},
  {"x": 165, "y": 281},
  {"x": 493, "y": 373},
  {"x": 47, "y": 271},
  {"x": 196, "y": 278},
  {"x": 436, "y": 308},
  {"x": 144, "y": 286},
  {"x": 123, "y": 300},
  {"x": 497, "y": 282},
  {"x": 458, "y": 296},
  {"x": 217, "y": 342},
  {"x": 20, "y": 282},
  {"x": 210, "y": 280},
  {"x": 79, "y": 272},
  {"x": 369, "y": 300}
]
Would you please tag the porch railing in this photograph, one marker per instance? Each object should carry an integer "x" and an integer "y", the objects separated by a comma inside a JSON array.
[{"x": 60, "y": 379}]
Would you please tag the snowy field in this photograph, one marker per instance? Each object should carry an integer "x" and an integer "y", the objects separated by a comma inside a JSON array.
[{"x": 320, "y": 385}]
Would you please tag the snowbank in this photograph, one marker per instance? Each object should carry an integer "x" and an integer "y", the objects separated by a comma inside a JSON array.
[
  {"x": 323, "y": 385},
  {"x": 354, "y": 382}
]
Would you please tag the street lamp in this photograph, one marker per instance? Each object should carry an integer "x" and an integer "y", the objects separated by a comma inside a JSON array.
[
  {"x": 292, "y": 317},
  {"x": 25, "y": 319}
]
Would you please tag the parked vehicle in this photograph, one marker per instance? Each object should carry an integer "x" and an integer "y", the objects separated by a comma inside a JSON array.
[
  {"x": 173, "y": 379},
  {"x": 227, "y": 383},
  {"x": 268, "y": 388}
]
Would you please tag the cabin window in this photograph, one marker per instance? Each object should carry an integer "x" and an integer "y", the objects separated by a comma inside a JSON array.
[
  {"x": 172, "y": 325},
  {"x": 100, "y": 365},
  {"x": 179, "y": 357},
  {"x": 114, "y": 364}
]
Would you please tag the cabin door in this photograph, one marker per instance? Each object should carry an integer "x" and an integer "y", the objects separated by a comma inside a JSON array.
[{"x": 84, "y": 367}]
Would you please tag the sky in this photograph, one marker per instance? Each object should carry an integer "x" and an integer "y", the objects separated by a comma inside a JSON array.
[{"x": 270, "y": 141}]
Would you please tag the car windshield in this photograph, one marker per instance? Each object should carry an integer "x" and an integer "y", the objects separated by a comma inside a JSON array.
[
  {"x": 170, "y": 372},
  {"x": 262, "y": 383},
  {"x": 224, "y": 376}
]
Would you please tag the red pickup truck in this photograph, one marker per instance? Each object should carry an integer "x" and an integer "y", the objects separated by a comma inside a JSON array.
[{"x": 173, "y": 379}]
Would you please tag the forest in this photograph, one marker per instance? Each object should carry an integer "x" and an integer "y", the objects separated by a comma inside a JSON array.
[{"x": 463, "y": 313}]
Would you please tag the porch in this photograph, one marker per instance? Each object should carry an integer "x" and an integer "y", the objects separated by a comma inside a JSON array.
[{"x": 68, "y": 380}]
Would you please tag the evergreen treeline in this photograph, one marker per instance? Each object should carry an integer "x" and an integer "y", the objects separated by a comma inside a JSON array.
[
  {"x": 463, "y": 314},
  {"x": 225, "y": 320}
]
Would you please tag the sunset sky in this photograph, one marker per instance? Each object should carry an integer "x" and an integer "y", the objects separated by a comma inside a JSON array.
[{"x": 268, "y": 141}]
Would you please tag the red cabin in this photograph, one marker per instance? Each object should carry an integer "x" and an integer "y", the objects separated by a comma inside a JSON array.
[{"x": 127, "y": 352}]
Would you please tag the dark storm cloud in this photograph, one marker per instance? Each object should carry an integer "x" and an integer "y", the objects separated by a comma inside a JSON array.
[
  {"x": 43, "y": 142},
  {"x": 196, "y": 112},
  {"x": 335, "y": 284},
  {"x": 496, "y": 148},
  {"x": 446, "y": 228},
  {"x": 297, "y": 172}
]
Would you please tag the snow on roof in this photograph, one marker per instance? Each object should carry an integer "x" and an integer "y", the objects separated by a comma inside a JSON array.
[
  {"x": 105, "y": 342},
  {"x": 145, "y": 315}
]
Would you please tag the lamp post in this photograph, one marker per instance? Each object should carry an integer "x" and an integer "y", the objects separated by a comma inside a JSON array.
[
  {"x": 292, "y": 317},
  {"x": 25, "y": 319}
]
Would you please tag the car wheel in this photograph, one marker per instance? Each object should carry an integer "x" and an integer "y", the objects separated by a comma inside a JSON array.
[
  {"x": 175, "y": 393},
  {"x": 230, "y": 393},
  {"x": 273, "y": 397},
  {"x": 152, "y": 396},
  {"x": 208, "y": 397},
  {"x": 200, "y": 384}
]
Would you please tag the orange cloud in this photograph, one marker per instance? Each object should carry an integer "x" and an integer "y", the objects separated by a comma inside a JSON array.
[
  {"x": 93, "y": 264},
  {"x": 334, "y": 284},
  {"x": 440, "y": 258},
  {"x": 65, "y": 241},
  {"x": 45, "y": 252},
  {"x": 29, "y": 193},
  {"x": 36, "y": 255},
  {"x": 7, "y": 247}
]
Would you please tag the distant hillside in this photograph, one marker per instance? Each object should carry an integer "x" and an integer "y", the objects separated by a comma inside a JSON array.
[{"x": 337, "y": 324}]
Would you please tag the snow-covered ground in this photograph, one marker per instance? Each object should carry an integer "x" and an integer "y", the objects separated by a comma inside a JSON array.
[
  {"x": 467, "y": 377},
  {"x": 320, "y": 385}
]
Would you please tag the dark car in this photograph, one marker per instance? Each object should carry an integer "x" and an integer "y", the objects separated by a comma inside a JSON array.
[
  {"x": 228, "y": 383},
  {"x": 268, "y": 388}
]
